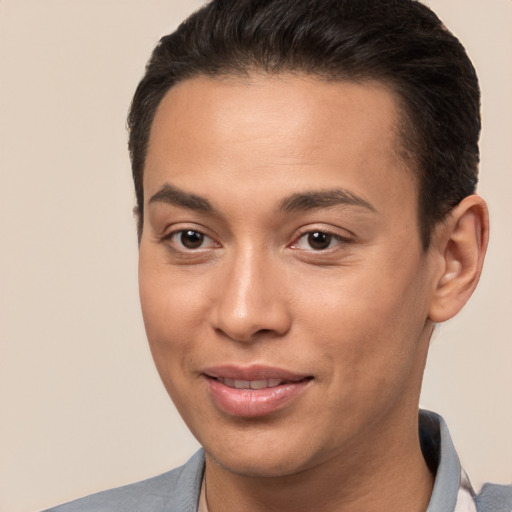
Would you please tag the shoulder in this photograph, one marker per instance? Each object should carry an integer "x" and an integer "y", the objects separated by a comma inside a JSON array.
[
  {"x": 174, "y": 491},
  {"x": 495, "y": 498}
]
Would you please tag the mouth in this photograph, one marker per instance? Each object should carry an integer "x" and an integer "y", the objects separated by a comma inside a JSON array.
[
  {"x": 254, "y": 391},
  {"x": 252, "y": 384}
]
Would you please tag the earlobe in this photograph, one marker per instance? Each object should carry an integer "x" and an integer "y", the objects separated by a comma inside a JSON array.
[{"x": 462, "y": 242}]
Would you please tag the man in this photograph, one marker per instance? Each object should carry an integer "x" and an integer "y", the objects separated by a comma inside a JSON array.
[{"x": 305, "y": 175}]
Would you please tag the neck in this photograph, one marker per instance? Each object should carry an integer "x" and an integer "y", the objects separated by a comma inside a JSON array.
[{"x": 392, "y": 476}]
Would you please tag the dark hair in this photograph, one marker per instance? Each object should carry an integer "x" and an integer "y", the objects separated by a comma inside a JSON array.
[{"x": 401, "y": 43}]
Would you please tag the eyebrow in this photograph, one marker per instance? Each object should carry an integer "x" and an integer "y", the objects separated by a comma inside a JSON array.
[
  {"x": 172, "y": 195},
  {"x": 303, "y": 201},
  {"x": 312, "y": 200}
]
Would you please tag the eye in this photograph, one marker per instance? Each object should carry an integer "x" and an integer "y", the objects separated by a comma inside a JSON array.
[
  {"x": 318, "y": 241},
  {"x": 190, "y": 239}
]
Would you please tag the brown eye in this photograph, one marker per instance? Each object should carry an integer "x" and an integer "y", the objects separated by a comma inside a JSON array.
[
  {"x": 316, "y": 241},
  {"x": 191, "y": 239},
  {"x": 319, "y": 241}
]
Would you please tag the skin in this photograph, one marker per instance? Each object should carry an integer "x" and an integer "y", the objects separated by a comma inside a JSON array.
[{"x": 355, "y": 314}]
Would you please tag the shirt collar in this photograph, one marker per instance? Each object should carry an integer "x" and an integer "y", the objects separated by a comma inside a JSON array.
[{"x": 452, "y": 490}]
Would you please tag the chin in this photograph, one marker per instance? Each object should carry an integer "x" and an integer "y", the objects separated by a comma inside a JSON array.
[
  {"x": 263, "y": 453},
  {"x": 265, "y": 464}
]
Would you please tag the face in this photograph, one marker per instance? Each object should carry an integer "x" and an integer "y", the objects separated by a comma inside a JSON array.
[{"x": 284, "y": 289}]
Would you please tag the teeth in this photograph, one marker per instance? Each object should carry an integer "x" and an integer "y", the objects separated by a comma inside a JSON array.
[
  {"x": 259, "y": 384},
  {"x": 251, "y": 384}
]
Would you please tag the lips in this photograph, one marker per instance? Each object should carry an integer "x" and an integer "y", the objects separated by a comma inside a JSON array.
[{"x": 254, "y": 391}]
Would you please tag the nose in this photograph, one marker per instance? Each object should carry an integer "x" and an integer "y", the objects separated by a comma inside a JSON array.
[{"x": 251, "y": 301}]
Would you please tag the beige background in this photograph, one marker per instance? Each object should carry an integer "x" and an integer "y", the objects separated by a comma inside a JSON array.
[{"x": 81, "y": 406}]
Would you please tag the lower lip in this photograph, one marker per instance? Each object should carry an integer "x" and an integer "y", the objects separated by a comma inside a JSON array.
[{"x": 251, "y": 403}]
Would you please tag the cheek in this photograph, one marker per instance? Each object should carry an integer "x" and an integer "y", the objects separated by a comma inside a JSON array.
[
  {"x": 369, "y": 326},
  {"x": 170, "y": 297},
  {"x": 170, "y": 316},
  {"x": 172, "y": 307}
]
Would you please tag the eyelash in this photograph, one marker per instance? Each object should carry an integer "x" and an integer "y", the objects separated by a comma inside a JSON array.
[
  {"x": 324, "y": 232},
  {"x": 327, "y": 236},
  {"x": 181, "y": 232}
]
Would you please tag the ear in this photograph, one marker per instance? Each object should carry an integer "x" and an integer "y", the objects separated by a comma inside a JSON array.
[{"x": 461, "y": 242}]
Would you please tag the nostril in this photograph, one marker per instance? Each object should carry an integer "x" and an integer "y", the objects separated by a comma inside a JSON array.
[
  {"x": 263, "y": 332},
  {"x": 248, "y": 336}
]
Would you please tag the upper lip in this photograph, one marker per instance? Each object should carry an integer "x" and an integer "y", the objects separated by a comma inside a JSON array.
[{"x": 253, "y": 372}]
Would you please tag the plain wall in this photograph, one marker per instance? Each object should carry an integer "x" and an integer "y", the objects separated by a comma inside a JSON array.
[{"x": 81, "y": 406}]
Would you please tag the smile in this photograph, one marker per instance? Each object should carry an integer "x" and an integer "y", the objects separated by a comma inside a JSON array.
[
  {"x": 254, "y": 391},
  {"x": 251, "y": 384}
]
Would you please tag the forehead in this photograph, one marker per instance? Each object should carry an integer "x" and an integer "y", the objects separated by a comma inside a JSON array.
[
  {"x": 272, "y": 131},
  {"x": 290, "y": 107}
]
